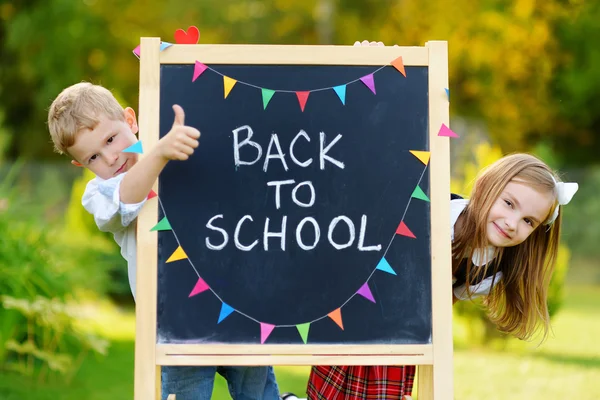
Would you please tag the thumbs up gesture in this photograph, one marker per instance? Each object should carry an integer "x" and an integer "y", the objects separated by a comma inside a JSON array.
[{"x": 180, "y": 142}]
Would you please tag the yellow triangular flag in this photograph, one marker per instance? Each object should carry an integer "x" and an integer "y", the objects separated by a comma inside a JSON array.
[
  {"x": 177, "y": 255},
  {"x": 228, "y": 84},
  {"x": 421, "y": 155}
]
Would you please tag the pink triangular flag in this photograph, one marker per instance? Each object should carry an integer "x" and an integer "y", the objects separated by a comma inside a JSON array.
[
  {"x": 445, "y": 131},
  {"x": 200, "y": 287},
  {"x": 302, "y": 97},
  {"x": 265, "y": 331},
  {"x": 136, "y": 51},
  {"x": 365, "y": 292},
  {"x": 368, "y": 80},
  {"x": 199, "y": 68},
  {"x": 404, "y": 231}
]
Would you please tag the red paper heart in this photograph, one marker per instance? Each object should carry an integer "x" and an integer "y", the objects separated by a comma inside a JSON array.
[{"x": 190, "y": 37}]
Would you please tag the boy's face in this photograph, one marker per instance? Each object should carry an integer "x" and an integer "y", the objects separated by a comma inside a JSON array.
[{"x": 101, "y": 149}]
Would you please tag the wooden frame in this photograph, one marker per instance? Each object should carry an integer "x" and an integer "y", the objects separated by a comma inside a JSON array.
[{"x": 435, "y": 359}]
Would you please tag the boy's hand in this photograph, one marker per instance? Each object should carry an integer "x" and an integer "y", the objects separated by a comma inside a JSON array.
[{"x": 180, "y": 142}]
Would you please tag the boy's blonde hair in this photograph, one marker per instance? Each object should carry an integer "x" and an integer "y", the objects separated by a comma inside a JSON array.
[
  {"x": 518, "y": 304},
  {"x": 79, "y": 107}
]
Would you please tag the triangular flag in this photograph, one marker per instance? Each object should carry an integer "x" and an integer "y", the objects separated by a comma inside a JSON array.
[
  {"x": 302, "y": 97},
  {"x": 385, "y": 266},
  {"x": 228, "y": 84},
  {"x": 423, "y": 156},
  {"x": 404, "y": 231},
  {"x": 165, "y": 45},
  {"x": 341, "y": 92},
  {"x": 163, "y": 225},
  {"x": 136, "y": 51},
  {"x": 418, "y": 193},
  {"x": 368, "y": 80},
  {"x": 265, "y": 331},
  {"x": 336, "y": 316},
  {"x": 365, "y": 292},
  {"x": 177, "y": 255},
  {"x": 199, "y": 68},
  {"x": 303, "y": 330},
  {"x": 399, "y": 65},
  {"x": 447, "y": 93},
  {"x": 266, "y": 96},
  {"x": 200, "y": 287},
  {"x": 134, "y": 148},
  {"x": 445, "y": 131},
  {"x": 151, "y": 195},
  {"x": 226, "y": 310}
]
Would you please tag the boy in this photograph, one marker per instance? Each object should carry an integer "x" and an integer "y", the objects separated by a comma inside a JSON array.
[{"x": 87, "y": 123}]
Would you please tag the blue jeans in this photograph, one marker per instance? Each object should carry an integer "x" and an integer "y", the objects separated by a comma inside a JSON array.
[{"x": 196, "y": 383}]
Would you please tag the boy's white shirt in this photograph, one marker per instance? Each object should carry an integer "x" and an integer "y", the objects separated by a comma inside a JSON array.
[
  {"x": 101, "y": 199},
  {"x": 479, "y": 258}
]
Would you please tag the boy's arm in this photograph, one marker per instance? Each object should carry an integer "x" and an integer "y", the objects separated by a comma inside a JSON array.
[{"x": 178, "y": 144}]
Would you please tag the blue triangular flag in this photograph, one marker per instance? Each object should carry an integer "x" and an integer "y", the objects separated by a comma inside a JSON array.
[
  {"x": 341, "y": 92},
  {"x": 164, "y": 45},
  {"x": 385, "y": 267},
  {"x": 226, "y": 310},
  {"x": 448, "y": 93},
  {"x": 134, "y": 148}
]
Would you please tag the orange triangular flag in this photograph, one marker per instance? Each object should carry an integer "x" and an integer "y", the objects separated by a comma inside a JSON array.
[
  {"x": 228, "y": 84},
  {"x": 302, "y": 97},
  {"x": 423, "y": 156},
  {"x": 404, "y": 231},
  {"x": 399, "y": 65},
  {"x": 177, "y": 255},
  {"x": 336, "y": 316}
]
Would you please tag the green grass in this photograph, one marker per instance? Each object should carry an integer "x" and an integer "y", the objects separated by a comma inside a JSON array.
[{"x": 566, "y": 366}]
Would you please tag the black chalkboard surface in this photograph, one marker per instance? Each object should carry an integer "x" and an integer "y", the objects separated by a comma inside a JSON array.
[{"x": 342, "y": 170}]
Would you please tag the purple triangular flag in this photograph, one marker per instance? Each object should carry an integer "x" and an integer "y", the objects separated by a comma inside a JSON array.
[
  {"x": 365, "y": 292},
  {"x": 368, "y": 80}
]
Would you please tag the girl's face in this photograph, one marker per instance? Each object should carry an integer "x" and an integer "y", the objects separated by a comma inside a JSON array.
[{"x": 516, "y": 213}]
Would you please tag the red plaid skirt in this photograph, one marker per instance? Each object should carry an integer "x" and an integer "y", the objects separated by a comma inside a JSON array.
[{"x": 360, "y": 382}]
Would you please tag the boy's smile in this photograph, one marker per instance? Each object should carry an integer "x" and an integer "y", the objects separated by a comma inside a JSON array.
[{"x": 101, "y": 149}]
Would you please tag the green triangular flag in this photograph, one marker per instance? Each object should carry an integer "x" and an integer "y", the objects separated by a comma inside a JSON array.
[
  {"x": 303, "y": 329},
  {"x": 163, "y": 225},
  {"x": 266, "y": 95},
  {"x": 419, "y": 194}
]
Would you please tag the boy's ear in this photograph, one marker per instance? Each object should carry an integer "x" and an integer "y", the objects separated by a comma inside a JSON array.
[
  {"x": 130, "y": 119},
  {"x": 76, "y": 163}
]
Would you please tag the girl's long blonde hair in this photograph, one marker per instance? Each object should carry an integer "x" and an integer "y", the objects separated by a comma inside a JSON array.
[{"x": 518, "y": 302}]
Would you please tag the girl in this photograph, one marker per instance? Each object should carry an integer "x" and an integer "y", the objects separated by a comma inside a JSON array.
[{"x": 504, "y": 246}]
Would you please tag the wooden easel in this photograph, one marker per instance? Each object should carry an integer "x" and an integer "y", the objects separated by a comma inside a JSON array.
[{"x": 434, "y": 360}]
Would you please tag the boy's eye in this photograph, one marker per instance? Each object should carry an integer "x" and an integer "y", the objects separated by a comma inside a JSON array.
[
  {"x": 508, "y": 203},
  {"x": 110, "y": 139},
  {"x": 92, "y": 158}
]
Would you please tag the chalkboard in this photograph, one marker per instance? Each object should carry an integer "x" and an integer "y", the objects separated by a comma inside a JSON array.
[{"x": 339, "y": 167}]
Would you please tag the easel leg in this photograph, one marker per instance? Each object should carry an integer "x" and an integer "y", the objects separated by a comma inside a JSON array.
[{"x": 425, "y": 382}]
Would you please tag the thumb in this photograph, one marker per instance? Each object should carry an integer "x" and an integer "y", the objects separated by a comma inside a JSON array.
[{"x": 179, "y": 115}]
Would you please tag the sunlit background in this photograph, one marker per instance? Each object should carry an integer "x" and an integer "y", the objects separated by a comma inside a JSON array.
[{"x": 524, "y": 76}]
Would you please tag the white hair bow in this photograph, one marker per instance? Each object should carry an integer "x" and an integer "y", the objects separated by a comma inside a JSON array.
[{"x": 564, "y": 193}]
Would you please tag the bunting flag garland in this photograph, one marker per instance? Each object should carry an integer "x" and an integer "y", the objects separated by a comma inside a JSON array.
[
  {"x": 200, "y": 287},
  {"x": 199, "y": 68},
  {"x": 341, "y": 92},
  {"x": 423, "y": 156},
  {"x": 303, "y": 330},
  {"x": 134, "y": 148},
  {"x": 369, "y": 82},
  {"x": 385, "y": 266},
  {"x": 226, "y": 311},
  {"x": 365, "y": 292},
  {"x": 404, "y": 231},
  {"x": 177, "y": 255},
  {"x": 336, "y": 316},
  {"x": 399, "y": 65},
  {"x": 445, "y": 131},
  {"x": 151, "y": 195},
  {"x": 265, "y": 331},
  {"x": 267, "y": 94},
  {"x": 228, "y": 84},
  {"x": 163, "y": 225},
  {"x": 163, "y": 46},
  {"x": 302, "y": 97},
  {"x": 418, "y": 193},
  {"x": 447, "y": 93}
]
